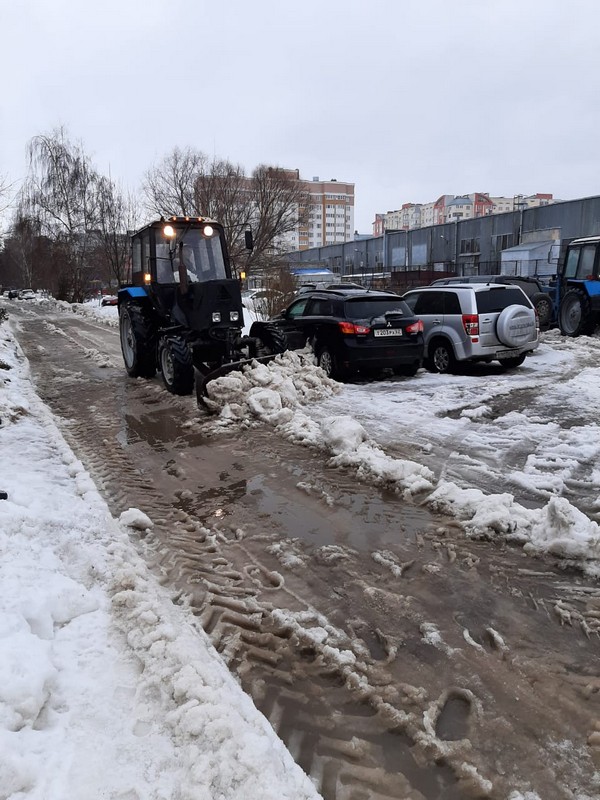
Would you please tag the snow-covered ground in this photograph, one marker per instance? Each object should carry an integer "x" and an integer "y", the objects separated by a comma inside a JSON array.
[
  {"x": 444, "y": 418},
  {"x": 100, "y": 668},
  {"x": 474, "y": 439},
  {"x": 107, "y": 688}
]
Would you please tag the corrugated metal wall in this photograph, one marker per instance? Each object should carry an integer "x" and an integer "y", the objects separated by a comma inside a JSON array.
[{"x": 457, "y": 247}]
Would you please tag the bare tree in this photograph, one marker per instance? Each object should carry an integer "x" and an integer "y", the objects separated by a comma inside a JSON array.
[
  {"x": 117, "y": 215},
  {"x": 31, "y": 259},
  {"x": 169, "y": 186},
  {"x": 6, "y": 190},
  {"x": 271, "y": 201},
  {"x": 60, "y": 193},
  {"x": 224, "y": 191},
  {"x": 281, "y": 205}
]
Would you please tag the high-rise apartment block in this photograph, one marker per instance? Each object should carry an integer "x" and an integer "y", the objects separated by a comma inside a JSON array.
[
  {"x": 451, "y": 208},
  {"x": 330, "y": 215}
]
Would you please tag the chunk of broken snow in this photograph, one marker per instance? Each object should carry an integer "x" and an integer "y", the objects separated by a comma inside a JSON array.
[
  {"x": 563, "y": 530},
  {"x": 343, "y": 434},
  {"x": 134, "y": 518},
  {"x": 267, "y": 405}
]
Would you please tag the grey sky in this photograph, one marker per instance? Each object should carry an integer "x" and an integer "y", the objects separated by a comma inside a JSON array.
[{"x": 409, "y": 100}]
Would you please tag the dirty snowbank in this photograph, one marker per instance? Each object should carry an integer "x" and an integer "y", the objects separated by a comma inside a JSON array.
[
  {"x": 276, "y": 393},
  {"x": 106, "y": 687},
  {"x": 291, "y": 394}
]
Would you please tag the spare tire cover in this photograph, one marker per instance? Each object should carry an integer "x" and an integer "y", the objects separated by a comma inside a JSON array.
[{"x": 516, "y": 326}]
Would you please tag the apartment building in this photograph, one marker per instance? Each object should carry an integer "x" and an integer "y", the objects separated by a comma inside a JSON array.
[
  {"x": 453, "y": 208},
  {"x": 330, "y": 215}
]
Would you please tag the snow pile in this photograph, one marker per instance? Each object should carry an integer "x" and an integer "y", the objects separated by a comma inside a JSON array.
[
  {"x": 270, "y": 392},
  {"x": 558, "y": 528},
  {"x": 106, "y": 687},
  {"x": 275, "y": 393},
  {"x": 348, "y": 441}
]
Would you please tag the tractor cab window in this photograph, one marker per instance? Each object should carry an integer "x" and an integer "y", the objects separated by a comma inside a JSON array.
[
  {"x": 571, "y": 263},
  {"x": 202, "y": 257},
  {"x": 136, "y": 258},
  {"x": 585, "y": 268},
  {"x": 580, "y": 262}
]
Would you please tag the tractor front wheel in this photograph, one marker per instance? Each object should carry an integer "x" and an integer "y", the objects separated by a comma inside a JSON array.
[
  {"x": 176, "y": 367},
  {"x": 138, "y": 341},
  {"x": 575, "y": 317}
]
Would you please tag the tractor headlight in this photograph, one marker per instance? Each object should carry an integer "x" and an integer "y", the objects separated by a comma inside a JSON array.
[
  {"x": 208, "y": 230},
  {"x": 216, "y": 317},
  {"x": 234, "y": 316},
  {"x": 169, "y": 231}
]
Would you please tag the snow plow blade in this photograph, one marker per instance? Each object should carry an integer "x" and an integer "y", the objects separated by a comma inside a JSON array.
[{"x": 202, "y": 380}]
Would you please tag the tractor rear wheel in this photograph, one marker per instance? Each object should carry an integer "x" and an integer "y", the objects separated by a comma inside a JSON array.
[
  {"x": 177, "y": 369},
  {"x": 138, "y": 341},
  {"x": 272, "y": 339},
  {"x": 575, "y": 317}
]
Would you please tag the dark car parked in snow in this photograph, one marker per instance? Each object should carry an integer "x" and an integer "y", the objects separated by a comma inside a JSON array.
[{"x": 354, "y": 331}]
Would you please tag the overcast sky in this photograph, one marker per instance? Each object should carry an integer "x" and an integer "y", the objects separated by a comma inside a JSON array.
[{"x": 407, "y": 99}]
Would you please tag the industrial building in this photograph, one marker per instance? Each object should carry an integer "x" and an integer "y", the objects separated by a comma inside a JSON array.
[{"x": 529, "y": 241}]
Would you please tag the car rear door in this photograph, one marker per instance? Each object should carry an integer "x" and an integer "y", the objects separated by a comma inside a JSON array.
[{"x": 428, "y": 306}]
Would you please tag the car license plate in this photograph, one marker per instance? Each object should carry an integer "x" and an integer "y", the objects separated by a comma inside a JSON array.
[
  {"x": 508, "y": 353},
  {"x": 388, "y": 332}
]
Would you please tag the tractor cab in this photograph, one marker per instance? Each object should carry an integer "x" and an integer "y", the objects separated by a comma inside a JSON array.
[
  {"x": 182, "y": 264},
  {"x": 178, "y": 251},
  {"x": 579, "y": 307},
  {"x": 182, "y": 312},
  {"x": 581, "y": 261}
]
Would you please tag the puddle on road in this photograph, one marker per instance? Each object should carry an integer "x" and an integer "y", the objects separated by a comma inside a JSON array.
[
  {"x": 161, "y": 429},
  {"x": 346, "y": 516}
]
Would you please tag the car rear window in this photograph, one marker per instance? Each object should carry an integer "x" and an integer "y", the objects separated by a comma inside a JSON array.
[
  {"x": 369, "y": 307},
  {"x": 499, "y": 299}
]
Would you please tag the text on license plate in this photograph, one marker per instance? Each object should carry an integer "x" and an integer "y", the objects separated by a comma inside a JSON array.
[
  {"x": 388, "y": 332},
  {"x": 507, "y": 353}
]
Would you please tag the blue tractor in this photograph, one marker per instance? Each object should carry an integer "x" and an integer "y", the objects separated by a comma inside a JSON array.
[
  {"x": 182, "y": 313},
  {"x": 579, "y": 288}
]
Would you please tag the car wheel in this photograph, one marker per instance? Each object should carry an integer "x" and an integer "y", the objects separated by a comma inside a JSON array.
[
  {"x": 441, "y": 357},
  {"x": 545, "y": 309},
  {"x": 138, "y": 342},
  {"x": 328, "y": 363},
  {"x": 575, "y": 317},
  {"x": 512, "y": 363},
  {"x": 176, "y": 367}
]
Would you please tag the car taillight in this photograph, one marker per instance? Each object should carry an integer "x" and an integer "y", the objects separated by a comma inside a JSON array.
[
  {"x": 350, "y": 327},
  {"x": 471, "y": 324},
  {"x": 415, "y": 327}
]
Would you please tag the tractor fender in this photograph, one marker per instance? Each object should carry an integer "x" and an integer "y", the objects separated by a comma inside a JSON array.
[{"x": 132, "y": 292}]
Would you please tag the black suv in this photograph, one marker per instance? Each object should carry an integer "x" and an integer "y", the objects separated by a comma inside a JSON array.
[
  {"x": 539, "y": 295},
  {"x": 354, "y": 330}
]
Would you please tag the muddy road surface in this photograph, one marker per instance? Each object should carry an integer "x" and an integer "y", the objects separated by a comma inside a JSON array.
[{"x": 394, "y": 657}]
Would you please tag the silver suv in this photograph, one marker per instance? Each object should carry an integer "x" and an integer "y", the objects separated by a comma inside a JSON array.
[{"x": 469, "y": 322}]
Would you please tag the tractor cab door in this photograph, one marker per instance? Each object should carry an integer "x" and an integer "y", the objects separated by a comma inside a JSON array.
[
  {"x": 581, "y": 263},
  {"x": 140, "y": 257}
]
